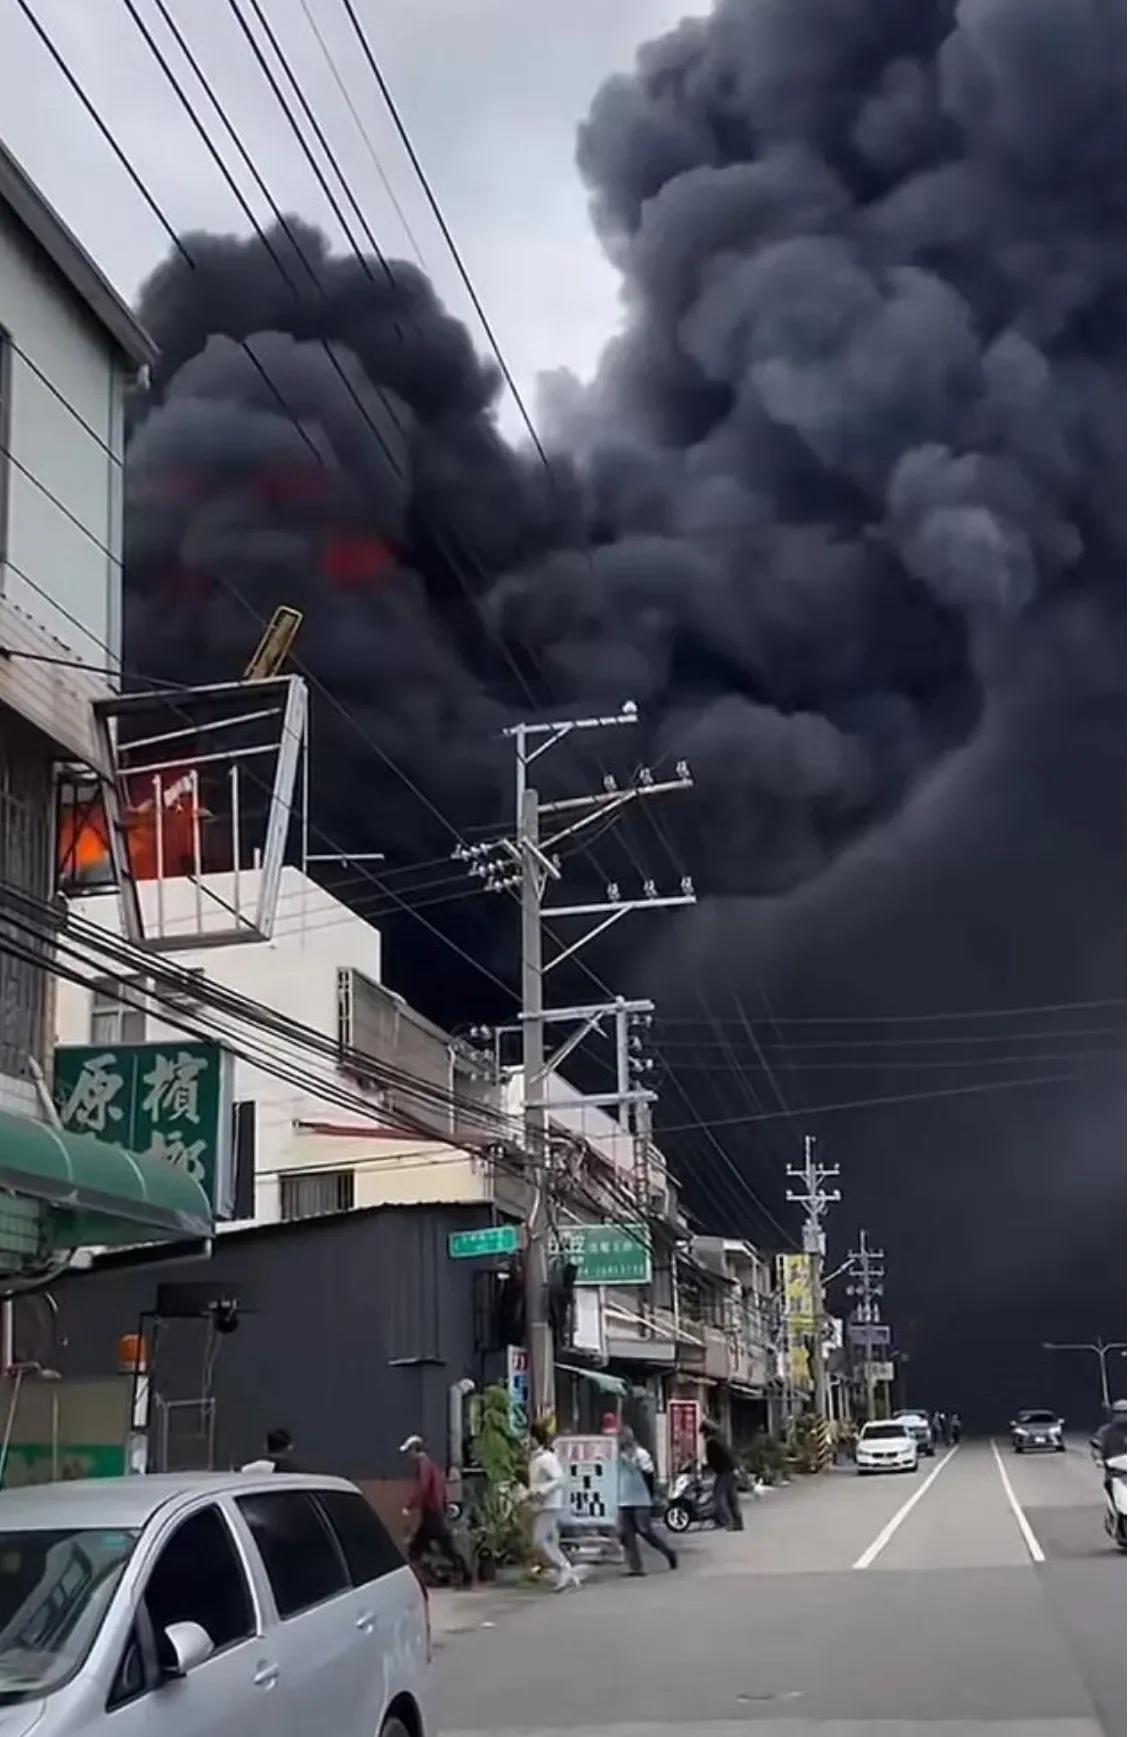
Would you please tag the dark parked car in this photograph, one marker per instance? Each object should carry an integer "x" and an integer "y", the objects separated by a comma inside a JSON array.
[
  {"x": 919, "y": 1426},
  {"x": 1037, "y": 1432}
]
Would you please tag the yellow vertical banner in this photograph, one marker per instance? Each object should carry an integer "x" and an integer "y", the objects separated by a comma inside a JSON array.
[{"x": 796, "y": 1287}]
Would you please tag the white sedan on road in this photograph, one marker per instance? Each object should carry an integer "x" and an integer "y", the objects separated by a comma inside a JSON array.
[{"x": 886, "y": 1447}]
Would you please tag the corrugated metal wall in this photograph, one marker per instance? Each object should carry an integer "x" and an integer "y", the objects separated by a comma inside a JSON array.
[{"x": 353, "y": 1328}]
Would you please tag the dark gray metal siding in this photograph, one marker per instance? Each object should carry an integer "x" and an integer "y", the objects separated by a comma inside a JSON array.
[{"x": 352, "y": 1330}]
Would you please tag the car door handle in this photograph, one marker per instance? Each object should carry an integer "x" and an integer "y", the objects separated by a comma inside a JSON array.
[
  {"x": 266, "y": 1676},
  {"x": 366, "y": 1622}
]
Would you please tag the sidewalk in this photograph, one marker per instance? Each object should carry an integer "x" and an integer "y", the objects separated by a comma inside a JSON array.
[{"x": 702, "y": 1551}]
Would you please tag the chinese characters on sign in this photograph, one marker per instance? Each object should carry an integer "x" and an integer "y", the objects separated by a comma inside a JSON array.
[
  {"x": 607, "y": 1254},
  {"x": 171, "y": 1101},
  {"x": 518, "y": 1387},
  {"x": 800, "y": 1317},
  {"x": 590, "y": 1464},
  {"x": 796, "y": 1284}
]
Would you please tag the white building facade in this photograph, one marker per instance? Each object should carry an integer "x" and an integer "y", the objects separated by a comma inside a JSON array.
[
  {"x": 327, "y": 1135},
  {"x": 68, "y": 351}
]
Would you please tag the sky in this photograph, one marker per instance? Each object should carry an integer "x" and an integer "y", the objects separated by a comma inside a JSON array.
[{"x": 490, "y": 91}]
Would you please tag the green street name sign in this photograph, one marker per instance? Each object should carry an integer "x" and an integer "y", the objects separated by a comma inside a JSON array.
[
  {"x": 608, "y": 1254},
  {"x": 162, "y": 1100},
  {"x": 494, "y": 1239}
]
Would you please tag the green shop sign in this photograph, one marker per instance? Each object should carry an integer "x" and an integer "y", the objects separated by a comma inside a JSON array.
[
  {"x": 41, "y": 1463},
  {"x": 171, "y": 1101},
  {"x": 607, "y": 1254}
]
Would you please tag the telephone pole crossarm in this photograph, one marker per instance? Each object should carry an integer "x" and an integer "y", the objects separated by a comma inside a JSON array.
[{"x": 526, "y": 863}]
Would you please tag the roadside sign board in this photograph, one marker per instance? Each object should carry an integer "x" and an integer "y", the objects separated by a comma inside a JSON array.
[
  {"x": 518, "y": 1387},
  {"x": 796, "y": 1285},
  {"x": 161, "y": 1100},
  {"x": 882, "y": 1371},
  {"x": 591, "y": 1466},
  {"x": 869, "y": 1335},
  {"x": 683, "y": 1419},
  {"x": 492, "y": 1239},
  {"x": 607, "y": 1254}
]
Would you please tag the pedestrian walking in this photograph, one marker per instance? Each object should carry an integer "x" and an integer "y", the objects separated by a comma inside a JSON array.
[
  {"x": 955, "y": 1430},
  {"x": 635, "y": 1507},
  {"x": 429, "y": 1501},
  {"x": 278, "y": 1455},
  {"x": 720, "y": 1459},
  {"x": 547, "y": 1494}
]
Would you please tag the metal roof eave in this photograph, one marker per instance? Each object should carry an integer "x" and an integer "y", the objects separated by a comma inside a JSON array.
[
  {"x": 100, "y": 1193},
  {"x": 38, "y": 217}
]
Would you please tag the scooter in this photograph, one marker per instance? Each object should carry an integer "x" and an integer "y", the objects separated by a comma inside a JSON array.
[
  {"x": 1114, "y": 1520},
  {"x": 690, "y": 1501}
]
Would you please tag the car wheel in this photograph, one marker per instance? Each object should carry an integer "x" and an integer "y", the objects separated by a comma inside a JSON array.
[
  {"x": 1018, "y": 1449},
  {"x": 395, "y": 1727},
  {"x": 1061, "y": 1447}
]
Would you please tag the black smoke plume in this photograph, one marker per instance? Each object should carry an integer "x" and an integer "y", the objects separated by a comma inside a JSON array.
[{"x": 855, "y": 455}]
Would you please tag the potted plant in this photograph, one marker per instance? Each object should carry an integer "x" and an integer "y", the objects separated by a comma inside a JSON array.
[{"x": 498, "y": 1520}]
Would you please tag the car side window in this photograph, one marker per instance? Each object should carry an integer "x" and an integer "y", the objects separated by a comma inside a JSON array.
[
  {"x": 369, "y": 1552},
  {"x": 304, "y": 1562},
  {"x": 199, "y": 1577}
]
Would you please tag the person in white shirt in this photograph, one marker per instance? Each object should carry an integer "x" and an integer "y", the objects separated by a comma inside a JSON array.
[{"x": 547, "y": 1493}]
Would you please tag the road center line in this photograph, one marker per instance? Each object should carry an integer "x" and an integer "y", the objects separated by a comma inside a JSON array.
[
  {"x": 880, "y": 1543},
  {"x": 1026, "y": 1532}
]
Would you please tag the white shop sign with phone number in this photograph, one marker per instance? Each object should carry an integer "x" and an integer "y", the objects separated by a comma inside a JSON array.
[{"x": 591, "y": 1466}]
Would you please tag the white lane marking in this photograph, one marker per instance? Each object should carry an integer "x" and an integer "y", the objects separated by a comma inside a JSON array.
[
  {"x": 892, "y": 1526},
  {"x": 1026, "y": 1532}
]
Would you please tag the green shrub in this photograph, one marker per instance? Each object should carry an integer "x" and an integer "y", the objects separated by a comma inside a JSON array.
[{"x": 499, "y": 1524}]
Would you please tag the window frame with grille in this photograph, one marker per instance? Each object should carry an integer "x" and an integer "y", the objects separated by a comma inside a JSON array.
[{"x": 316, "y": 1193}]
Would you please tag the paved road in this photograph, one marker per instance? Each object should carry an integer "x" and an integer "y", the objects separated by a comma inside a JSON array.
[{"x": 889, "y": 1607}]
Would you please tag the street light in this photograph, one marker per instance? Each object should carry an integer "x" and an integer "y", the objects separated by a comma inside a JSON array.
[{"x": 1098, "y": 1348}]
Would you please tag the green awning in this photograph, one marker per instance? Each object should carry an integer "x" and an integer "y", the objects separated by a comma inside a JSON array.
[
  {"x": 99, "y": 1193},
  {"x": 602, "y": 1382}
]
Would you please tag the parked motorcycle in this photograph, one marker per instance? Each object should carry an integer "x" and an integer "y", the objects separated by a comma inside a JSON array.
[
  {"x": 1114, "y": 1520},
  {"x": 690, "y": 1501}
]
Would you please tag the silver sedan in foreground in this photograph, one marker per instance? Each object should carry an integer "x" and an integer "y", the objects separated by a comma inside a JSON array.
[{"x": 271, "y": 1606}]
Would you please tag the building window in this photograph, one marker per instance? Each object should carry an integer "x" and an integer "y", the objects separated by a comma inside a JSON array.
[
  {"x": 117, "y": 1010},
  {"x": 311, "y": 1193},
  {"x": 26, "y": 810}
]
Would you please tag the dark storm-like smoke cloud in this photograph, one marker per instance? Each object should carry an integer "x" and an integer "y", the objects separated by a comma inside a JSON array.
[{"x": 858, "y": 444}]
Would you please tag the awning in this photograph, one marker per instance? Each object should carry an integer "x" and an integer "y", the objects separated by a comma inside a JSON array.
[
  {"x": 98, "y": 1193},
  {"x": 602, "y": 1382}
]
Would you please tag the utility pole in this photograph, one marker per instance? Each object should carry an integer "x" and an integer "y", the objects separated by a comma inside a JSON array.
[
  {"x": 1099, "y": 1347},
  {"x": 527, "y": 864},
  {"x": 868, "y": 1273},
  {"x": 815, "y": 1199}
]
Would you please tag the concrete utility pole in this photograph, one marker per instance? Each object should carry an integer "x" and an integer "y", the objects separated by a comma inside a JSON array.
[
  {"x": 816, "y": 1199},
  {"x": 526, "y": 864},
  {"x": 1099, "y": 1348},
  {"x": 868, "y": 1274}
]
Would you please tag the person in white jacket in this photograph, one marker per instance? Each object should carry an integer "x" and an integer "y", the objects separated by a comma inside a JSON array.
[{"x": 547, "y": 1494}]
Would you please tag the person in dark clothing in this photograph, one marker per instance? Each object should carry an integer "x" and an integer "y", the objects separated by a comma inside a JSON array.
[
  {"x": 955, "y": 1430},
  {"x": 720, "y": 1459},
  {"x": 279, "y": 1455},
  {"x": 1111, "y": 1440},
  {"x": 429, "y": 1501}
]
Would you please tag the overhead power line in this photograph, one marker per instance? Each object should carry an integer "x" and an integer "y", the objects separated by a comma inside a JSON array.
[
  {"x": 971, "y": 1014},
  {"x": 877, "y": 1103},
  {"x": 441, "y": 221}
]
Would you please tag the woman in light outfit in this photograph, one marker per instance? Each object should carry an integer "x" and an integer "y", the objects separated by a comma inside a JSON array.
[{"x": 547, "y": 1493}]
